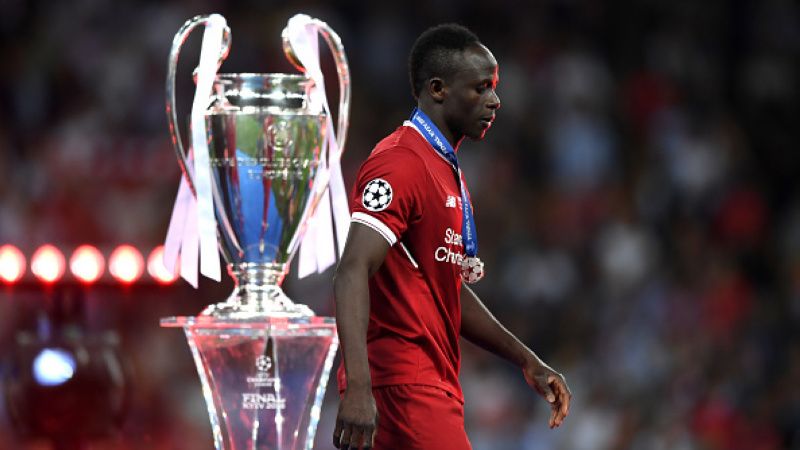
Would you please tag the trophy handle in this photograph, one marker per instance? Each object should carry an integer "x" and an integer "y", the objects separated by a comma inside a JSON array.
[
  {"x": 172, "y": 116},
  {"x": 342, "y": 68}
]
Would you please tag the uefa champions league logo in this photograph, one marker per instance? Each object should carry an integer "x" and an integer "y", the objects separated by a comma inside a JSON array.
[
  {"x": 266, "y": 396},
  {"x": 263, "y": 376},
  {"x": 263, "y": 363},
  {"x": 377, "y": 195}
]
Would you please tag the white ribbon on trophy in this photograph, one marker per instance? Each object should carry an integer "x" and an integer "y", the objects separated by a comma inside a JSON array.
[
  {"x": 317, "y": 249},
  {"x": 192, "y": 226}
]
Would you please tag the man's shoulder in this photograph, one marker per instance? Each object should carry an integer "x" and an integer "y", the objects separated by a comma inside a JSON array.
[{"x": 403, "y": 146}]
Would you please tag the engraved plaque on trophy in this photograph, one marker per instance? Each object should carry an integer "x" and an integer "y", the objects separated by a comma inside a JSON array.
[{"x": 263, "y": 359}]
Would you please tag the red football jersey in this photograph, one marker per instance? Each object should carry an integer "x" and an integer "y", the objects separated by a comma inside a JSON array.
[{"x": 409, "y": 193}]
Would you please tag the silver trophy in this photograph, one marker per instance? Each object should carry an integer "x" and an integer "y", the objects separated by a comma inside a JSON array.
[{"x": 263, "y": 360}]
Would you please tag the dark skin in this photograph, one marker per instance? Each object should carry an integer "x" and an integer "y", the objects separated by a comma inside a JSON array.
[{"x": 461, "y": 105}]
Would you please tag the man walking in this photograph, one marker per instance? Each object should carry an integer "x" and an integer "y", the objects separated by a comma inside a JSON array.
[{"x": 401, "y": 301}]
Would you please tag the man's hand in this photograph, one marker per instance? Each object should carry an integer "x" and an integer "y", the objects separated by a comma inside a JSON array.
[
  {"x": 363, "y": 255},
  {"x": 552, "y": 386},
  {"x": 357, "y": 420}
]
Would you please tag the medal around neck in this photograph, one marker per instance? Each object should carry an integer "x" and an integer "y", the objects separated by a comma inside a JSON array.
[
  {"x": 471, "y": 269},
  {"x": 260, "y": 159},
  {"x": 471, "y": 265}
]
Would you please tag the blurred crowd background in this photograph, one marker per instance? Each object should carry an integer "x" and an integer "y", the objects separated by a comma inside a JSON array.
[{"x": 637, "y": 203}]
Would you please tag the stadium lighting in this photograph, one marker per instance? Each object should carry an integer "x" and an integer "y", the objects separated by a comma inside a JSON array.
[
  {"x": 48, "y": 264},
  {"x": 156, "y": 268},
  {"x": 126, "y": 264},
  {"x": 87, "y": 264},
  {"x": 12, "y": 264},
  {"x": 53, "y": 366}
]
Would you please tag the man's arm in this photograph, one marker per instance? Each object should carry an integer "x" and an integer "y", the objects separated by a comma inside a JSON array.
[
  {"x": 480, "y": 327},
  {"x": 363, "y": 254}
]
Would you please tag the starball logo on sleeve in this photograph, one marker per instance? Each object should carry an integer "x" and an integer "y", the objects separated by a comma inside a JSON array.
[{"x": 377, "y": 195}]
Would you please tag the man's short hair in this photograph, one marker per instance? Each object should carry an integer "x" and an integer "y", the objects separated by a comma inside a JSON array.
[{"x": 432, "y": 53}]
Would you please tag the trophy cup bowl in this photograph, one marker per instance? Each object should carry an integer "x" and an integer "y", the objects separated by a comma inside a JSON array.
[
  {"x": 263, "y": 360},
  {"x": 265, "y": 144}
]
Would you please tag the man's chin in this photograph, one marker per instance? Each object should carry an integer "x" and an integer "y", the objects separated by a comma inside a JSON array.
[{"x": 477, "y": 136}]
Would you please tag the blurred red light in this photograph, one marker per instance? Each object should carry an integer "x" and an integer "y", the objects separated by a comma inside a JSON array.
[
  {"x": 126, "y": 264},
  {"x": 87, "y": 263},
  {"x": 48, "y": 264},
  {"x": 12, "y": 264},
  {"x": 156, "y": 268}
]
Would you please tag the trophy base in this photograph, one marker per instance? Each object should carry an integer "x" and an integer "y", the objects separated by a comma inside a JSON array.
[
  {"x": 257, "y": 295},
  {"x": 264, "y": 302},
  {"x": 263, "y": 379}
]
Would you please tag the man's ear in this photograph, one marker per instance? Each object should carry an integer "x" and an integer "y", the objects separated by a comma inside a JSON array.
[{"x": 437, "y": 89}]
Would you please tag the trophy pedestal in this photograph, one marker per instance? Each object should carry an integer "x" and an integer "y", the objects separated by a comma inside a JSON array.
[{"x": 263, "y": 378}]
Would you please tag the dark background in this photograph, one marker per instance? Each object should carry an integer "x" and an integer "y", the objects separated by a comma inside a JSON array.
[{"x": 636, "y": 203}]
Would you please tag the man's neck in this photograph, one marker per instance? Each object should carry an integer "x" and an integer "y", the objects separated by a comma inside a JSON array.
[{"x": 434, "y": 114}]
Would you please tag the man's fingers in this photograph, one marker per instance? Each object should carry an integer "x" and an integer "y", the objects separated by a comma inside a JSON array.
[
  {"x": 558, "y": 416},
  {"x": 564, "y": 401},
  {"x": 355, "y": 437},
  {"x": 547, "y": 391},
  {"x": 368, "y": 436},
  {"x": 372, "y": 433},
  {"x": 552, "y": 386},
  {"x": 337, "y": 433},
  {"x": 564, "y": 395},
  {"x": 344, "y": 441},
  {"x": 560, "y": 405}
]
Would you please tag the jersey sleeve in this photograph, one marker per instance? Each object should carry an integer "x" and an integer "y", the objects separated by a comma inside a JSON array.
[{"x": 388, "y": 192}]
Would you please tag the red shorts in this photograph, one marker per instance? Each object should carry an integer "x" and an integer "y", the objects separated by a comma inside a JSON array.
[{"x": 417, "y": 417}]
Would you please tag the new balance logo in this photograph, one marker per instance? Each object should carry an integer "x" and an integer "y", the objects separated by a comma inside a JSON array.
[{"x": 451, "y": 202}]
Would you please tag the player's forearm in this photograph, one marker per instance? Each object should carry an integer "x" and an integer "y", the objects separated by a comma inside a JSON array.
[
  {"x": 480, "y": 327},
  {"x": 352, "y": 319}
]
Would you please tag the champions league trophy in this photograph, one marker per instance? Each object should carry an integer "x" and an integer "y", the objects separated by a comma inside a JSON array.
[{"x": 263, "y": 360}]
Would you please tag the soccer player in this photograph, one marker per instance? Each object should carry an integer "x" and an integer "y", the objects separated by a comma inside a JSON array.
[{"x": 401, "y": 304}]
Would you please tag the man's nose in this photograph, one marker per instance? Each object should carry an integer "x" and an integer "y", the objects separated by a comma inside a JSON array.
[{"x": 494, "y": 101}]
